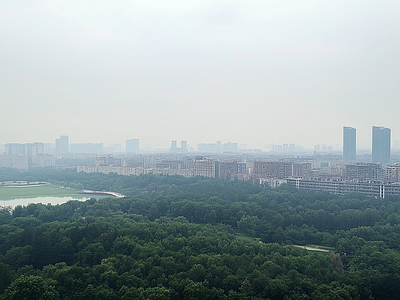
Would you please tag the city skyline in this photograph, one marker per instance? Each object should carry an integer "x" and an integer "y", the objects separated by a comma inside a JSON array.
[
  {"x": 257, "y": 73},
  {"x": 146, "y": 143},
  {"x": 132, "y": 145}
]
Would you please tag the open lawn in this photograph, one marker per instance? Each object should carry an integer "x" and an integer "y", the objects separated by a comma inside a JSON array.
[
  {"x": 34, "y": 191},
  {"x": 243, "y": 237}
]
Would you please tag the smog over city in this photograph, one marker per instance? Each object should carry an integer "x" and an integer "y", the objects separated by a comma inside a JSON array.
[
  {"x": 216, "y": 150},
  {"x": 251, "y": 72}
]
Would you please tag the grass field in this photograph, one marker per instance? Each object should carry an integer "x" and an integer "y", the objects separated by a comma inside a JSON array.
[
  {"x": 33, "y": 191},
  {"x": 243, "y": 237}
]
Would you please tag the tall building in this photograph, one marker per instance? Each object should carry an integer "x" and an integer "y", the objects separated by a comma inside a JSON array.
[
  {"x": 381, "y": 144},
  {"x": 132, "y": 146},
  {"x": 174, "y": 147},
  {"x": 349, "y": 143},
  {"x": 30, "y": 149},
  {"x": 62, "y": 144},
  {"x": 184, "y": 146}
]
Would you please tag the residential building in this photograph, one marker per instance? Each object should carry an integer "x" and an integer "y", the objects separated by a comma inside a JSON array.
[
  {"x": 205, "y": 167},
  {"x": 272, "y": 169},
  {"x": 393, "y": 172},
  {"x": 364, "y": 171}
]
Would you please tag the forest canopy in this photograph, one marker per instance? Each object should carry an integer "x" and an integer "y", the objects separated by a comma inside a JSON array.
[{"x": 197, "y": 238}]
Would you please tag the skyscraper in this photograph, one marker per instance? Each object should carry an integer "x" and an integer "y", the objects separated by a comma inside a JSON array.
[
  {"x": 349, "y": 143},
  {"x": 174, "y": 147},
  {"x": 132, "y": 146},
  {"x": 381, "y": 144},
  {"x": 184, "y": 146},
  {"x": 62, "y": 145}
]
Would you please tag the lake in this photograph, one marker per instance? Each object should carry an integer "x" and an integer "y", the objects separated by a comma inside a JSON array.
[
  {"x": 24, "y": 195},
  {"x": 48, "y": 199}
]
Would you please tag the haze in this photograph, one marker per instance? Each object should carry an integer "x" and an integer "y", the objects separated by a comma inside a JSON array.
[{"x": 252, "y": 72}]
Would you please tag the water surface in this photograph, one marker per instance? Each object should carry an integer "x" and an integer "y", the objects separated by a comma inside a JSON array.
[{"x": 48, "y": 199}]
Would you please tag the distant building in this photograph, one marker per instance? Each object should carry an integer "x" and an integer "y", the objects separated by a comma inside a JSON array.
[
  {"x": 241, "y": 168},
  {"x": 381, "y": 145},
  {"x": 86, "y": 148},
  {"x": 218, "y": 147},
  {"x": 15, "y": 148},
  {"x": 230, "y": 147},
  {"x": 207, "y": 148},
  {"x": 349, "y": 143},
  {"x": 132, "y": 146},
  {"x": 364, "y": 172},
  {"x": 301, "y": 169},
  {"x": 227, "y": 169},
  {"x": 272, "y": 169},
  {"x": 371, "y": 189},
  {"x": 62, "y": 145},
  {"x": 205, "y": 167},
  {"x": 184, "y": 146},
  {"x": 174, "y": 147},
  {"x": 44, "y": 160},
  {"x": 20, "y": 161},
  {"x": 30, "y": 149},
  {"x": 393, "y": 172}
]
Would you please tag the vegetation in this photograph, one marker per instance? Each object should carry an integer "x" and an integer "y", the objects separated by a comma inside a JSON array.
[{"x": 177, "y": 238}]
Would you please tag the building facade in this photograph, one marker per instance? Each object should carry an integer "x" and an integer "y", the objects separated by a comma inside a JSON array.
[
  {"x": 62, "y": 145},
  {"x": 349, "y": 143},
  {"x": 381, "y": 145},
  {"x": 132, "y": 146}
]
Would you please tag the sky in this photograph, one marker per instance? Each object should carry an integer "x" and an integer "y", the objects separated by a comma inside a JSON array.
[{"x": 255, "y": 72}]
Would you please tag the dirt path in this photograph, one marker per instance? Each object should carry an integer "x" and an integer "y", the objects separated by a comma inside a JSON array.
[{"x": 311, "y": 248}]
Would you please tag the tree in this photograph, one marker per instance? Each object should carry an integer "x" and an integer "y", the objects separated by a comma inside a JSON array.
[
  {"x": 30, "y": 288},
  {"x": 6, "y": 275}
]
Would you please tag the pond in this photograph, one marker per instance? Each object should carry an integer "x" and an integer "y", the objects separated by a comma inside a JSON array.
[{"x": 13, "y": 202}]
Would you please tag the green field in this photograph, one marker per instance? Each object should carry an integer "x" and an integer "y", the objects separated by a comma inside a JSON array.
[
  {"x": 34, "y": 191},
  {"x": 244, "y": 237}
]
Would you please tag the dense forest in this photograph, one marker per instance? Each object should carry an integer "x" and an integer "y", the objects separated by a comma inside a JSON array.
[{"x": 185, "y": 238}]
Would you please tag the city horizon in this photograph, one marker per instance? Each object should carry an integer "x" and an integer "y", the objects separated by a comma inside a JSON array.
[{"x": 193, "y": 146}]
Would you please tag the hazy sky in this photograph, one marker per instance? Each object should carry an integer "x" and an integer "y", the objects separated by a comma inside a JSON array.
[{"x": 252, "y": 72}]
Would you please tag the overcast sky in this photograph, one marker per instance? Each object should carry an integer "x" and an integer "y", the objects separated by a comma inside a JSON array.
[{"x": 252, "y": 72}]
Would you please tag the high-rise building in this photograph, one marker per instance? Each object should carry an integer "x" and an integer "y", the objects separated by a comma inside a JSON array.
[
  {"x": 62, "y": 144},
  {"x": 381, "y": 144},
  {"x": 30, "y": 149},
  {"x": 15, "y": 149},
  {"x": 132, "y": 146},
  {"x": 184, "y": 146},
  {"x": 349, "y": 143}
]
